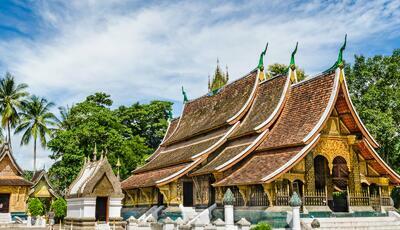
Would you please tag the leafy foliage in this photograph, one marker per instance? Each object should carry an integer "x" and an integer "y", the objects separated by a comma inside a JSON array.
[
  {"x": 262, "y": 226},
  {"x": 35, "y": 122},
  {"x": 375, "y": 90},
  {"x": 146, "y": 120},
  {"x": 35, "y": 207},
  {"x": 11, "y": 97},
  {"x": 128, "y": 133},
  {"x": 282, "y": 69},
  {"x": 59, "y": 207}
]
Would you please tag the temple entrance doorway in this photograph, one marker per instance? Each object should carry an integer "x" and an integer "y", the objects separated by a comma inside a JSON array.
[
  {"x": 211, "y": 199},
  {"x": 101, "y": 209},
  {"x": 340, "y": 178},
  {"x": 321, "y": 172},
  {"x": 4, "y": 203},
  {"x": 160, "y": 198},
  {"x": 187, "y": 193}
]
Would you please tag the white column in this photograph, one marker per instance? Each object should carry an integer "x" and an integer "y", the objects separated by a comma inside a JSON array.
[
  {"x": 296, "y": 218},
  {"x": 228, "y": 211}
]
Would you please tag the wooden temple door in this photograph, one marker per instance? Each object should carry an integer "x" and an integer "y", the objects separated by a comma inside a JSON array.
[
  {"x": 187, "y": 193},
  {"x": 4, "y": 203},
  {"x": 102, "y": 209},
  {"x": 340, "y": 178}
]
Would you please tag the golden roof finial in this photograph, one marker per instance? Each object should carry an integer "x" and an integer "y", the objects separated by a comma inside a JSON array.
[
  {"x": 95, "y": 152},
  {"x": 118, "y": 166}
]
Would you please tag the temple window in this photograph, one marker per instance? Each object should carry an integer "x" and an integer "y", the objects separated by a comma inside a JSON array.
[{"x": 258, "y": 196}]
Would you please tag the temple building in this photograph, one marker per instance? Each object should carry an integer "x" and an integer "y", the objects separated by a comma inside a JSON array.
[
  {"x": 94, "y": 197},
  {"x": 266, "y": 137},
  {"x": 13, "y": 187},
  {"x": 42, "y": 188}
]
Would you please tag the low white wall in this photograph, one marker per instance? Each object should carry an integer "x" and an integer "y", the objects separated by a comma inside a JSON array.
[
  {"x": 81, "y": 207},
  {"x": 115, "y": 207}
]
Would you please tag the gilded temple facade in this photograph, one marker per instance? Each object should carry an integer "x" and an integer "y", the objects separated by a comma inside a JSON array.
[
  {"x": 266, "y": 138},
  {"x": 13, "y": 187}
]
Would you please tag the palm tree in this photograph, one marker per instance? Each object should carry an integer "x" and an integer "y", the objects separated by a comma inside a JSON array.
[
  {"x": 35, "y": 121},
  {"x": 11, "y": 97},
  {"x": 63, "y": 123}
]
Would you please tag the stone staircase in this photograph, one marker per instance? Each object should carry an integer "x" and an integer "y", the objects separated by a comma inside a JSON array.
[
  {"x": 356, "y": 223},
  {"x": 102, "y": 226},
  {"x": 5, "y": 217}
]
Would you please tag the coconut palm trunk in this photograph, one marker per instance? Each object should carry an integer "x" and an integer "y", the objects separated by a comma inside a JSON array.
[
  {"x": 9, "y": 133},
  {"x": 34, "y": 155}
]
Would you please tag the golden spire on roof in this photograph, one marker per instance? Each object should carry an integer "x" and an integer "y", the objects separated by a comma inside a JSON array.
[
  {"x": 218, "y": 80},
  {"x": 95, "y": 152},
  {"x": 118, "y": 166}
]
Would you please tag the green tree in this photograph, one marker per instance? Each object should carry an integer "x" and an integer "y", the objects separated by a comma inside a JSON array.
[
  {"x": 123, "y": 132},
  {"x": 11, "y": 97},
  {"x": 146, "y": 120},
  {"x": 374, "y": 85},
  {"x": 59, "y": 207},
  {"x": 62, "y": 123},
  {"x": 100, "y": 99},
  {"x": 35, "y": 207},
  {"x": 35, "y": 123},
  {"x": 282, "y": 69}
]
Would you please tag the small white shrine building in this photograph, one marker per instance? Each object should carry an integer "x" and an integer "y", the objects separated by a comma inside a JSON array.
[{"x": 95, "y": 197}]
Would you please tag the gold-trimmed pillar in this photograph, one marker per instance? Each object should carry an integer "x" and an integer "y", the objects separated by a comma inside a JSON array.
[
  {"x": 245, "y": 192},
  {"x": 354, "y": 176},
  {"x": 269, "y": 190},
  {"x": 309, "y": 173}
]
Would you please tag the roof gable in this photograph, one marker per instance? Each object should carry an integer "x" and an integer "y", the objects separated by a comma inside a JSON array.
[
  {"x": 6, "y": 155},
  {"x": 90, "y": 176}
]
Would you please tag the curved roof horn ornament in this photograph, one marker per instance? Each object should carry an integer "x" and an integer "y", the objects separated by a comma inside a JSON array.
[
  {"x": 260, "y": 67},
  {"x": 339, "y": 62},
  {"x": 292, "y": 65}
]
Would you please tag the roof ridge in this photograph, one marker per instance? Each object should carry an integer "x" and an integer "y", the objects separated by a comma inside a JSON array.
[{"x": 313, "y": 77}]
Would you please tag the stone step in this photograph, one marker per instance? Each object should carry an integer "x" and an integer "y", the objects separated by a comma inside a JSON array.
[
  {"x": 345, "y": 223},
  {"x": 388, "y": 227},
  {"x": 5, "y": 217}
]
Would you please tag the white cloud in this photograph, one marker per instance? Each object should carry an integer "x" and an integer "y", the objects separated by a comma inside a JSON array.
[{"x": 141, "y": 52}]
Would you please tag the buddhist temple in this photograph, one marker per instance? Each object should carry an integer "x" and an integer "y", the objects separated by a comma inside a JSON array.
[
  {"x": 266, "y": 137},
  {"x": 42, "y": 188},
  {"x": 94, "y": 197},
  {"x": 13, "y": 187}
]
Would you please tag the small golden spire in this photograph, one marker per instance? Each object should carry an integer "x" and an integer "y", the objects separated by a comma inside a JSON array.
[
  {"x": 102, "y": 153},
  {"x": 95, "y": 152},
  {"x": 118, "y": 166}
]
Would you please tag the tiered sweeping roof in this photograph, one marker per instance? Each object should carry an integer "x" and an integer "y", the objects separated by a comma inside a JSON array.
[{"x": 258, "y": 129}]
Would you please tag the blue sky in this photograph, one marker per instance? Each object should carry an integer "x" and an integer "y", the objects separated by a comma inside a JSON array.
[{"x": 146, "y": 50}]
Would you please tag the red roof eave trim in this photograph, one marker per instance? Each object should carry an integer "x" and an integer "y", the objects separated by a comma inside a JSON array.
[
  {"x": 353, "y": 111},
  {"x": 381, "y": 161}
]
